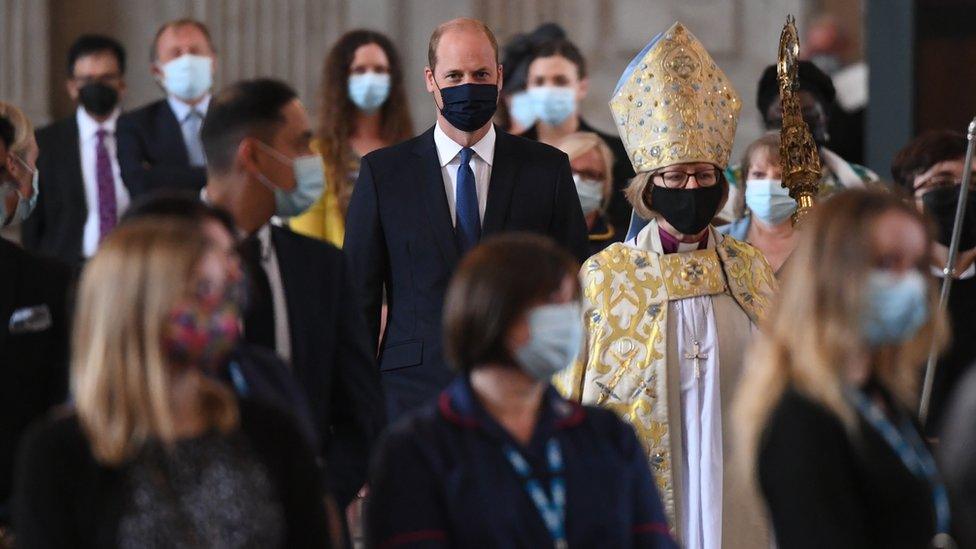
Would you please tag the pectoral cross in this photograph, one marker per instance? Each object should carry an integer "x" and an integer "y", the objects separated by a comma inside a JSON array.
[
  {"x": 606, "y": 391},
  {"x": 697, "y": 356}
]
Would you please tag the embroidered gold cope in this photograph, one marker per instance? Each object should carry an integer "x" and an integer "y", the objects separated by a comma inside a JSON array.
[{"x": 625, "y": 365}]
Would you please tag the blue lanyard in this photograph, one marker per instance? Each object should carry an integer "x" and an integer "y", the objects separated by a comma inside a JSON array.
[
  {"x": 553, "y": 511},
  {"x": 912, "y": 452}
]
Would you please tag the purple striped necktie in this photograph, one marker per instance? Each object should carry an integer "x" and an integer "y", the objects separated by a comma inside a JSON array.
[{"x": 107, "y": 207}]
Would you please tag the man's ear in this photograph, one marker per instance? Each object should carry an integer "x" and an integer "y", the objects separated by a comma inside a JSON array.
[
  {"x": 72, "y": 89},
  {"x": 501, "y": 77},
  {"x": 429, "y": 79},
  {"x": 584, "y": 89},
  {"x": 246, "y": 156}
]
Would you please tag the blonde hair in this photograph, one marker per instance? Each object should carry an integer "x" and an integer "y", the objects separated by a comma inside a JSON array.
[
  {"x": 577, "y": 144},
  {"x": 813, "y": 330},
  {"x": 120, "y": 380},
  {"x": 23, "y": 129},
  {"x": 767, "y": 143}
]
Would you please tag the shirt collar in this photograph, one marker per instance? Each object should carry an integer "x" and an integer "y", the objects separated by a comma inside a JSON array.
[
  {"x": 88, "y": 126},
  {"x": 181, "y": 109},
  {"x": 458, "y": 404},
  {"x": 448, "y": 149}
]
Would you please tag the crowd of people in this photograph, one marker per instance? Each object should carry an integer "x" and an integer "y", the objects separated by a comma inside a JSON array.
[{"x": 231, "y": 326}]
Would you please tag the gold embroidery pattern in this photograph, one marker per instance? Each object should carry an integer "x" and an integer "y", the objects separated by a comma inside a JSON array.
[
  {"x": 751, "y": 280},
  {"x": 624, "y": 365},
  {"x": 676, "y": 105},
  {"x": 692, "y": 274}
]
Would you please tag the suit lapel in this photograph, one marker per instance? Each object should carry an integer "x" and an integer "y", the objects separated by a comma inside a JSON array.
[
  {"x": 503, "y": 174},
  {"x": 435, "y": 201},
  {"x": 291, "y": 279},
  {"x": 74, "y": 178},
  {"x": 171, "y": 134}
]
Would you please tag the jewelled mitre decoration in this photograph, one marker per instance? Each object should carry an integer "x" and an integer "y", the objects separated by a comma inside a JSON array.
[{"x": 673, "y": 104}]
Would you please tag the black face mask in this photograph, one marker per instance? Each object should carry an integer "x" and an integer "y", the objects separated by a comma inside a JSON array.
[
  {"x": 468, "y": 107},
  {"x": 687, "y": 210},
  {"x": 97, "y": 98},
  {"x": 941, "y": 204}
]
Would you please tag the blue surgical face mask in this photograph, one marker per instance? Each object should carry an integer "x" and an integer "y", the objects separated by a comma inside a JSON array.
[
  {"x": 554, "y": 104},
  {"x": 590, "y": 193},
  {"x": 188, "y": 77},
  {"x": 769, "y": 201},
  {"x": 896, "y": 306},
  {"x": 555, "y": 338},
  {"x": 25, "y": 206},
  {"x": 523, "y": 109},
  {"x": 368, "y": 91},
  {"x": 309, "y": 183}
]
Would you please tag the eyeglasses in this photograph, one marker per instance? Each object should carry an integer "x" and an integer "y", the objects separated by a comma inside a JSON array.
[
  {"x": 679, "y": 179},
  {"x": 943, "y": 181}
]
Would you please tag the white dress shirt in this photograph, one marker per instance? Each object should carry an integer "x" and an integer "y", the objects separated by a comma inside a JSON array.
[
  {"x": 87, "y": 141},
  {"x": 194, "y": 145},
  {"x": 449, "y": 154},
  {"x": 269, "y": 260}
]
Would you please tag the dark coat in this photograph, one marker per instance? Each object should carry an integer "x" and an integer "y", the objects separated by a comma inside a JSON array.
[
  {"x": 441, "y": 479},
  {"x": 826, "y": 487},
  {"x": 400, "y": 237},
  {"x": 152, "y": 152},
  {"x": 56, "y": 227},
  {"x": 34, "y": 354}
]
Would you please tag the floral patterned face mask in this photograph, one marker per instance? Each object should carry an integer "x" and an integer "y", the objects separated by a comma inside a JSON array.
[{"x": 201, "y": 332}]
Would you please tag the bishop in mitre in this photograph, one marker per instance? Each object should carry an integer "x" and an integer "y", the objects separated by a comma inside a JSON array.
[{"x": 670, "y": 311}]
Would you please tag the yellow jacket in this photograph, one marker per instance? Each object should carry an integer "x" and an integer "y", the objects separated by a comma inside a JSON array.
[{"x": 323, "y": 220}]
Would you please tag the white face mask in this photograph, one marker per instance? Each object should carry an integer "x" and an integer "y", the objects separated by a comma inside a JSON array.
[
  {"x": 188, "y": 77},
  {"x": 368, "y": 91},
  {"x": 555, "y": 338},
  {"x": 769, "y": 201},
  {"x": 309, "y": 183},
  {"x": 590, "y": 193}
]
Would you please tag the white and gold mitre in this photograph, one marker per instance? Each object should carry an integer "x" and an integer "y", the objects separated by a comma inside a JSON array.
[{"x": 673, "y": 104}]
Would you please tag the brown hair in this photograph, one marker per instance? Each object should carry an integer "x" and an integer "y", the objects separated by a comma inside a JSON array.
[
  {"x": 120, "y": 379},
  {"x": 456, "y": 24},
  {"x": 561, "y": 47},
  {"x": 813, "y": 331},
  {"x": 495, "y": 284},
  {"x": 183, "y": 22},
  {"x": 338, "y": 111},
  {"x": 925, "y": 151},
  {"x": 768, "y": 143}
]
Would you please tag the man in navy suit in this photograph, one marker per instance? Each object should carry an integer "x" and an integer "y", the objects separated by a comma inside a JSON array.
[
  {"x": 159, "y": 144},
  {"x": 420, "y": 205}
]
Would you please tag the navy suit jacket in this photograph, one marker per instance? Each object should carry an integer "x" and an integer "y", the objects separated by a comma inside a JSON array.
[
  {"x": 330, "y": 357},
  {"x": 400, "y": 235},
  {"x": 152, "y": 153},
  {"x": 57, "y": 225}
]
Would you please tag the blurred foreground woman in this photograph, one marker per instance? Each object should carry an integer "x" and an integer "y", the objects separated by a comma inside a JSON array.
[
  {"x": 826, "y": 414},
  {"x": 156, "y": 452},
  {"x": 500, "y": 459}
]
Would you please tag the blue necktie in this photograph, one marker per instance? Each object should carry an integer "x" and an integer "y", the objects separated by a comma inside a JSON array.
[
  {"x": 191, "y": 136},
  {"x": 468, "y": 217}
]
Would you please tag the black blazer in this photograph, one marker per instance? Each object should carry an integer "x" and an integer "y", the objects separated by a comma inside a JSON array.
[
  {"x": 826, "y": 487},
  {"x": 33, "y": 361},
  {"x": 399, "y": 235},
  {"x": 331, "y": 357},
  {"x": 152, "y": 153},
  {"x": 57, "y": 225},
  {"x": 65, "y": 498}
]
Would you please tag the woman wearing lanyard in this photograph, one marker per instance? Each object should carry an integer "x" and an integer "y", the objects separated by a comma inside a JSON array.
[
  {"x": 826, "y": 416},
  {"x": 500, "y": 460}
]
